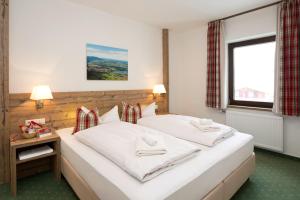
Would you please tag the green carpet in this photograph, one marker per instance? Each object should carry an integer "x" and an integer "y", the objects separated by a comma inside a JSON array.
[
  {"x": 39, "y": 187},
  {"x": 277, "y": 177}
]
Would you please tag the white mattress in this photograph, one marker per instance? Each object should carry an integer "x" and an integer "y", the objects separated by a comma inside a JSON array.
[{"x": 206, "y": 170}]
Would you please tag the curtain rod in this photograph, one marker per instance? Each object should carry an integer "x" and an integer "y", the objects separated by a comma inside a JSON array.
[{"x": 248, "y": 11}]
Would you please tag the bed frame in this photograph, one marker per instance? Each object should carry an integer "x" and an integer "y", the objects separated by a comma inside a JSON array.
[{"x": 223, "y": 191}]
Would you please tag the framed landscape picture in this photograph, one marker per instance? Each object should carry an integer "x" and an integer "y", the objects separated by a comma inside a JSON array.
[{"x": 106, "y": 63}]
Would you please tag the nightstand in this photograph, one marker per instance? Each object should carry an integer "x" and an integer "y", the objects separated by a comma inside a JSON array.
[
  {"x": 163, "y": 113},
  {"x": 30, "y": 166}
]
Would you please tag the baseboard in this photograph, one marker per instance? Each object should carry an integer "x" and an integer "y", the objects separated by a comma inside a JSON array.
[{"x": 282, "y": 155}]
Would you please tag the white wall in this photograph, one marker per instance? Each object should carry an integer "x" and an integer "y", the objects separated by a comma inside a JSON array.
[
  {"x": 47, "y": 46},
  {"x": 252, "y": 25},
  {"x": 188, "y": 69},
  {"x": 188, "y": 74}
]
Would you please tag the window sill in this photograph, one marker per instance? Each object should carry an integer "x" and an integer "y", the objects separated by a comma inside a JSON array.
[{"x": 250, "y": 108}]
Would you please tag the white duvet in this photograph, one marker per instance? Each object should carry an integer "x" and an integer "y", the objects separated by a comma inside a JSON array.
[
  {"x": 181, "y": 127},
  {"x": 117, "y": 142}
]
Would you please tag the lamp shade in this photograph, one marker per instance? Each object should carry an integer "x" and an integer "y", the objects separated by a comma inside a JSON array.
[
  {"x": 41, "y": 92},
  {"x": 159, "y": 89}
]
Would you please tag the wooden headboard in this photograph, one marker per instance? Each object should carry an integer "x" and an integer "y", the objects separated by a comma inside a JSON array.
[{"x": 60, "y": 112}]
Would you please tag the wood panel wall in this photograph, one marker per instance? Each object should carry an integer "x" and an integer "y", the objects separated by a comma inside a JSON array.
[
  {"x": 4, "y": 167},
  {"x": 60, "y": 112},
  {"x": 165, "y": 48}
]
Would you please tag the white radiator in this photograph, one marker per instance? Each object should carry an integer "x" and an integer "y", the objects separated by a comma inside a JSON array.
[{"x": 266, "y": 128}]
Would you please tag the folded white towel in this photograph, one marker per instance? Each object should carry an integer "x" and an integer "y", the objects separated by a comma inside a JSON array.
[
  {"x": 204, "y": 121},
  {"x": 212, "y": 134},
  {"x": 149, "y": 140},
  {"x": 144, "y": 149},
  {"x": 205, "y": 128}
]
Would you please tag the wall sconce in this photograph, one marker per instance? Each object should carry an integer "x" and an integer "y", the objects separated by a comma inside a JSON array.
[
  {"x": 40, "y": 93},
  {"x": 159, "y": 89}
]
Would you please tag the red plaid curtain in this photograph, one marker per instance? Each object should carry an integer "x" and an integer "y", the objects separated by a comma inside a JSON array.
[
  {"x": 213, "y": 85},
  {"x": 289, "y": 61}
]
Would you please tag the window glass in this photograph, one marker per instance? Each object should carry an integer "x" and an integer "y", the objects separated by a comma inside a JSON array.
[
  {"x": 254, "y": 72},
  {"x": 251, "y": 72}
]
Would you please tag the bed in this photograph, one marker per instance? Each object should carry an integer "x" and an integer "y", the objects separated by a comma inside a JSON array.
[{"x": 214, "y": 174}]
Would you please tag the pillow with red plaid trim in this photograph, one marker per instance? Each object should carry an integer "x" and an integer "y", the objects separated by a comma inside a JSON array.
[
  {"x": 131, "y": 113},
  {"x": 85, "y": 119}
]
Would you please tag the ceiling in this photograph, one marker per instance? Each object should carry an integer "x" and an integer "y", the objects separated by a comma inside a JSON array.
[{"x": 173, "y": 13}]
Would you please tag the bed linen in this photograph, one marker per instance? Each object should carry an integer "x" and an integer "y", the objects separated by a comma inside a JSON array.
[
  {"x": 117, "y": 142},
  {"x": 181, "y": 127},
  {"x": 208, "y": 168}
]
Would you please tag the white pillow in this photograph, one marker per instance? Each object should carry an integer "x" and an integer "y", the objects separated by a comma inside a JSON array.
[
  {"x": 110, "y": 116},
  {"x": 149, "y": 110}
]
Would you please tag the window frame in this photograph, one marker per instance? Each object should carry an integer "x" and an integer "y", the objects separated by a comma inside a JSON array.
[{"x": 231, "y": 47}]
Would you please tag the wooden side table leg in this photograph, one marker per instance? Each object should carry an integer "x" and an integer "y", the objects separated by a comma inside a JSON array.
[
  {"x": 13, "y": 172},
  {"x": 57, "y": 164}
]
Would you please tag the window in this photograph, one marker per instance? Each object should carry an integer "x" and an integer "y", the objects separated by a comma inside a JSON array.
[{"x": 251, "y": 72}]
